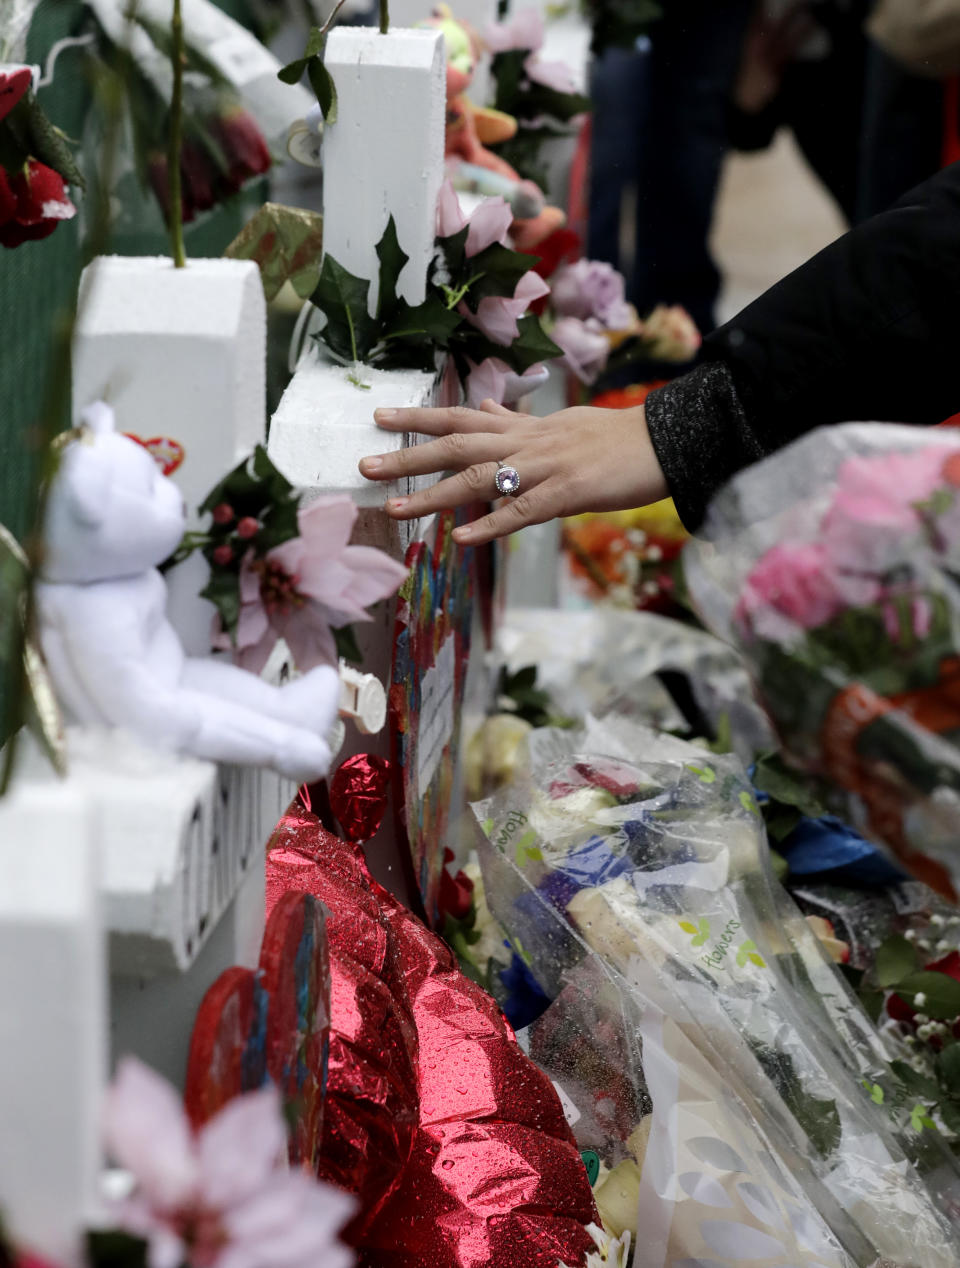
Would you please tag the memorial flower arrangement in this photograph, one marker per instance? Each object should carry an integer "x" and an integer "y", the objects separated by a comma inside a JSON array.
[
  {"x": 599, "y": 331},
  {"x": 843, "y": 598},
  {"x": 479, "y": 293},
  {"x": 36, "y": 164},
  {"x": 282, "y": 570},
  {"x": 541, "y": 95}
]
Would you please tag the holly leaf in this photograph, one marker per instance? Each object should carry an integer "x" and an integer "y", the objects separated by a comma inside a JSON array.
[
  {"x": 531, "y": 346},
  {"x": 454, "y": 251},
  {"x": 392, "y": 259},
  {"x": 286, "y": 244},
  {"x": 223, "y": 591},
  {"x": 432, "y": 319},
  {"x": 896, "y": 959},
  {"x": 941, "y": 994},
  {"x": 497, "y": 271},
  {"x": 350, "y": 330}
]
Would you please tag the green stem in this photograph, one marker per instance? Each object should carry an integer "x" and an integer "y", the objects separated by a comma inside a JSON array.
[
  {"x": 384, "y": 16},
  {"x": 175, "y": 212}
]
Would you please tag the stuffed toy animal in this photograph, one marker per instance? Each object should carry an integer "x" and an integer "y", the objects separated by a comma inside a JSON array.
[
  {"x": 115, "y": 659},
  {"x": 470, "y": 128}
]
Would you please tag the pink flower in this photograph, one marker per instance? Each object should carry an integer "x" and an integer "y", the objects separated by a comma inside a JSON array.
[
  {"x": 493, "y": 380},
  {"x": 585, "y": 348},
  {"x": 307, "y": 586},
  {"x": 555, "y": 75},
  {"x": 523, "y": 31},
  {"x": 800, "y": 584},
  {"x": 489, "y": 223},
  {"x": 497, "y": 316},
  {"x": 220, "y": 1197},
  {"x": 592, "y": 288},
  {"x": 872, "y": 523}
]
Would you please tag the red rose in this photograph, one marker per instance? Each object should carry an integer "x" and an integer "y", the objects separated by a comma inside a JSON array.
[
  {"x": 12, "y": 88},
  {"x": 39, "y": 203},
  {"x": 455, "y": 895},
  {"x": 243, "y": 146}
]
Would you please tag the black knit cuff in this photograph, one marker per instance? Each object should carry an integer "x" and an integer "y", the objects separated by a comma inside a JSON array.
[{"x": 701, "y": 437}]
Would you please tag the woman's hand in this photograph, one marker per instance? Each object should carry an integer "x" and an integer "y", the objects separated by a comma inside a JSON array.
[{"x": 576, "y": 460}]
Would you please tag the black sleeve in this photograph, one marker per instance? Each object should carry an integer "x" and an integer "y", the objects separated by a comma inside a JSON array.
[{"x": 869, "y": 329}]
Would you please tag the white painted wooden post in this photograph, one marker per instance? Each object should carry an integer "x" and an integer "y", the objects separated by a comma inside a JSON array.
[
  {"x": 384, "y": 154},
  {"x": 53, "y": 1022},
  {"x": 178, "y": 353},
  {"x": 476, "y": 13}
]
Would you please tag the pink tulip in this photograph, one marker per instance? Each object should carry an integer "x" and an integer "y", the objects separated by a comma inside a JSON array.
[
  {"x": 493, "y": 380},
  {"x": 585, "y": 347},
  {"x": 220, "y": 1197},
  {"x": 497, "y": 316},
  {"x": 489, "y": 223}
]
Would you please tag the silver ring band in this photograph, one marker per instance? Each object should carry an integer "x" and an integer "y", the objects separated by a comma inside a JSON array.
[{"x": 507, "y": 480}]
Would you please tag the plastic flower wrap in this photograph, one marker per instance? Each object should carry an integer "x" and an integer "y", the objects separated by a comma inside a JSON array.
[
  {"x": 832, "y": 566},
  {"x": 714, "y": 1054}
]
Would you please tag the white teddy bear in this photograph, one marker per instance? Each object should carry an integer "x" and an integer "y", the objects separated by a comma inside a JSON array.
[{"x": 115, "y": 659}]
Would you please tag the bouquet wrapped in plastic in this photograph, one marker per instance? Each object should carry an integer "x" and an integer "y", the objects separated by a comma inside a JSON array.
[
  {"x": 718, "y": 1063},
  {"x": 833, "y": 567}
]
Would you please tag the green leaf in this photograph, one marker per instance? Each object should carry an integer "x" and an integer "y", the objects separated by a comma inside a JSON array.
[
  {"x": 496, "y": 271},
  {"x": 896, "y": 959},
  {"x": 454, "y": 250},
  {"x": 321, "y": 81},
  {"x": 48, "y": 144},
  {"x": 915, "y": 1082},
  {"x": 532, "y": 345},
  {"x": 919, "y": 1118},
  {"x": 348, "y": 648},
  {"x": 431, "y": 319},
  {"x": 941, "y": 994},
  {"x": 774, "y": 777},
  {"x": 392, "y": 259},
  {"x": 948, "y": 1065},
  {"x": 342, "y": 298},
  {"x": 286, "y": 243},
  {"x": 223, "y": 591}
]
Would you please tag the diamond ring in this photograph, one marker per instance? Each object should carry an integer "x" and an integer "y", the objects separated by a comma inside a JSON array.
[{"x": 507, "y": 480}]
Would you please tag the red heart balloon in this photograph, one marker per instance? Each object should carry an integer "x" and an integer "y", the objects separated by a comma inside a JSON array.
[{"x": 358, "y": 795}]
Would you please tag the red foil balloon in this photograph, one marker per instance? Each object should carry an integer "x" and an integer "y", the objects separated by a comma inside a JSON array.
[
  {"x": 358, "y": 795},
  {"x": 454, "y": 1140}
]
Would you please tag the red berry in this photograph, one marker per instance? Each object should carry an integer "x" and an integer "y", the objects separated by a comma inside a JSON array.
[
  {"x": 248, "y": 527},
  {"x": 223, "y": 555},
  {"x": 223, "y": 513}
]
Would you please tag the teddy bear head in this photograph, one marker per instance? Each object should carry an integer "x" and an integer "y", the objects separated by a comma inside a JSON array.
[{"x": 111, "y": 512}]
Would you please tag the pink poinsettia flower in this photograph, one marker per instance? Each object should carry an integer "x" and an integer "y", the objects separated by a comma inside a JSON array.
[
  {"x": 489, "y": 223},
  {"x": 308, "y": 586},
  {"x": 523, "y": 31},
  {"x": 585, "y": 347},
  {"x": 555, "y": 75},
  {"x": 493, "y": 380},
  {"x": 220, "y": 1197},
  {"x": 497, "y": 316}
]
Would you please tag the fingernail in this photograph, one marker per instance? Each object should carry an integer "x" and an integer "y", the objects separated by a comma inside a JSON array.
[
  {"x": 370, "y": 464},
  {"x": 385, "y": 415},
  {"x": 397, "y": 504},
  {"x": 462, "y": 533}
]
